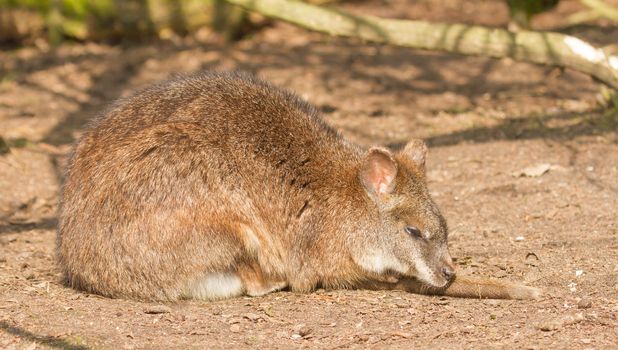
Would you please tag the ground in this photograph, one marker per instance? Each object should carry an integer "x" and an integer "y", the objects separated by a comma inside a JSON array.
[{"x": 523, "y": 162}]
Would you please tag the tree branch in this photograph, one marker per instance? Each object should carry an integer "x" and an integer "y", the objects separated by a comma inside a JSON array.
[
  {"x": 601, "y": 8},
  {"x": 538, "y": 47}
]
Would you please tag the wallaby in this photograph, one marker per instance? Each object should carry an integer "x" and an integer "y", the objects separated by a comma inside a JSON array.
[{"x": 216, "y": 185}]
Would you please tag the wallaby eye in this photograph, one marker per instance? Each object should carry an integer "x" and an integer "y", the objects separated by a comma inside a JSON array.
[{"x": 414, "y": 231}]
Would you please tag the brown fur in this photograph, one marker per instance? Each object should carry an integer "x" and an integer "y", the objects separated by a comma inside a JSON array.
[{"x": 224, "y": 175}]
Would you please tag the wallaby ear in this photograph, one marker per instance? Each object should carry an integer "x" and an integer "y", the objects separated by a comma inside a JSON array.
[
  {"x": 378, "y": 171},
  {"x": 416, "y": 151}
]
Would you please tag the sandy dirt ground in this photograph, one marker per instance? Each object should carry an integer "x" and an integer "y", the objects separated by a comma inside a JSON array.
[{"x": 523, "y": 163}]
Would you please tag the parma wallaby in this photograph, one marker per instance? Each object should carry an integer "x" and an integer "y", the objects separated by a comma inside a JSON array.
[{"x": 215, "y": 185}]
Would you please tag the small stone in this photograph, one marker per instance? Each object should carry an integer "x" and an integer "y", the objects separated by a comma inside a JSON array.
[
  {"x": 533, "y": 171},
  {"x": 158, "y": 309},
  {"x": 234, "y": 320},
  {"x": 500, "y": 274},
  {"x": 362, "y": 337},
  {"x": 235, "y": 328},
  {"x": 7, "y": 240},
  {"x": 253, "y": 317},
  {"x": 302, "y": 330},
  {"x": 572, "y": 287},
  {"x": 584, "y": 304},
  {"x": 405, "y": 335},
  {"x": 558, "y": 323},
  {"x": 519, "y": 239}
]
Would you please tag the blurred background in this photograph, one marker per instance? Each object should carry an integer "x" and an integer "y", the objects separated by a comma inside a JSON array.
[
  {"x": 113, "y": 21},
  {"x": 22, "y": 22}
]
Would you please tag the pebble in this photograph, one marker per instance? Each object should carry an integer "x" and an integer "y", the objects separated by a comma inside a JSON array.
[
  {"x": 584, "y": 304},
  {"x": 158, "y": 309},
  {"x": 302, "y": 330},
  {"x": 500, "y": 274},
  {"x": 558, "y": 323},
  {"x": 253, "y": 317}
]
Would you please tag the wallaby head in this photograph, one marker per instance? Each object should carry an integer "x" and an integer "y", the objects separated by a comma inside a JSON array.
[{"x": 407, "y": 236}]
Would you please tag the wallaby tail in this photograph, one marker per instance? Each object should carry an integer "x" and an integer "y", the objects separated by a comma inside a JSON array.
[
  {"x": 468, "y": 287},
  {"x": 464, "y": 287}
]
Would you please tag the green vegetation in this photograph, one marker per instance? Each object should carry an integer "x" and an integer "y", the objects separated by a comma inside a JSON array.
[
  {"x": 22, "y": 21},
  {"x": 113, "y": 20},
  {"x": 521, "y": 11}
]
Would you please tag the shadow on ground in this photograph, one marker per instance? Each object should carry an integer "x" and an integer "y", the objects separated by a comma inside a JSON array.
[
  {"x": 50, "y": 341},
  {"x": 430, "y": 79},
  {"x": 43, "y": 224}
]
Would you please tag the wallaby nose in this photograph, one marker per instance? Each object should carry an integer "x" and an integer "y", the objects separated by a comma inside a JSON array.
[{"x": 448, "y": 272}]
